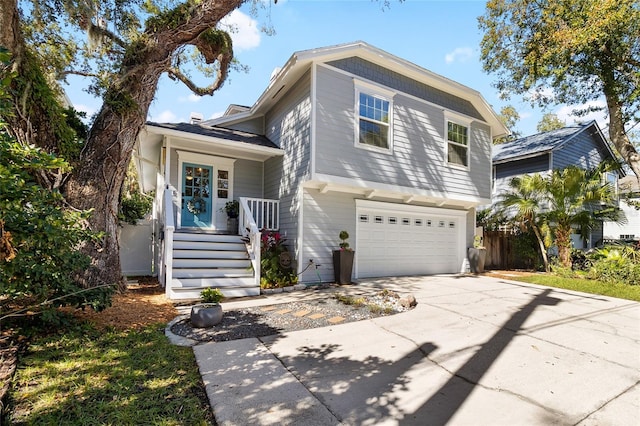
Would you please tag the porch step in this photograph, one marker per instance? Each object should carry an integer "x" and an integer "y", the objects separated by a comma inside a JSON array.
[
  {"x": 204, "y": 260},
  {"x": 208, "y": 245},
  {"x": 213, "y": 273},
  {"x": 195, "y": 236}
]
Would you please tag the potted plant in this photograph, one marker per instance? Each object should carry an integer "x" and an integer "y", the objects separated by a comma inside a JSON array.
[
  {"x": 232, "y": 208},
  {"x": 343, "y": 260},
  {"x": 209, "y": 312},
  {"x": 477, "y": 255}
]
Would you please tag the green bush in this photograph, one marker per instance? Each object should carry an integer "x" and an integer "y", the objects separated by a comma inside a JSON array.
[
  {"x": 39, "y": 238},
  {"x": 615, "y": 264},
  {"x": 275, "y": 262}
]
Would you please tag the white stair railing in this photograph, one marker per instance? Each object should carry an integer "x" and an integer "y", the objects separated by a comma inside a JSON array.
[
  {"x": 252, "y": 237},
  {"x": 169, "y": 228}
]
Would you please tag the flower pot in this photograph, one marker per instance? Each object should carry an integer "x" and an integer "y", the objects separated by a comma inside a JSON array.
[
  {"x": 206, "y": 315},
  {"x": 232, "y": 224},
  {"x": 477, "y": 257},
  {"x": 343, "y": 265}
]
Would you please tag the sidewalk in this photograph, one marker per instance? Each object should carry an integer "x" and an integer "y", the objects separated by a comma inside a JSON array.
[{"x": 475, "y": 350}]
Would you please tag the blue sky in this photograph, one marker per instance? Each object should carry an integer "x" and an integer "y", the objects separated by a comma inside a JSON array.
[{"x": 441, "y": 36}]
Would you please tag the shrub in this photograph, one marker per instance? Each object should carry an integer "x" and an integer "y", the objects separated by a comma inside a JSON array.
[
  {"x": 211, "y": 295},
  {"x": 277, "y": 267}
]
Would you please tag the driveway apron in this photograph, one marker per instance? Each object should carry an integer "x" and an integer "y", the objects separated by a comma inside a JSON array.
[{"x": 475, "y": 351}]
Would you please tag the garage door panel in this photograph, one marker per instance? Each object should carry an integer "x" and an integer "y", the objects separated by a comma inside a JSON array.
[{"x": 407, "y": 242}]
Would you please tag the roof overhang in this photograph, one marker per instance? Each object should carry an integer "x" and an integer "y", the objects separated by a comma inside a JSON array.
[
  {"x": 148, "y": 150},
  {"x": 375, "y": 191},
  {"x": 301, "y": 61}
]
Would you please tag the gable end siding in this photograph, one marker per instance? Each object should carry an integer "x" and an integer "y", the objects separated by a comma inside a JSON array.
[
  {"x": 288, "y": 125},
  {"x": 583, "y": 151},
  {"x": 399, "y": 82},
  {"x": 418, "y": 158}
]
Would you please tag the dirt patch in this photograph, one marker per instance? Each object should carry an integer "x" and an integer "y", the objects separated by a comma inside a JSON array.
[
  {"x": 509, "y": 274},
  {"x": 143, "y": 303}
]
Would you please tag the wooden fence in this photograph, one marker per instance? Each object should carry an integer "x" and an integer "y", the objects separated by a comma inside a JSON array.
[{"x": 501, "y": 252}]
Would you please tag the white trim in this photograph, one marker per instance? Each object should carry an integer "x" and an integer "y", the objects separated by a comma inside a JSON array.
[
  {"x": 461, "y": 120},
  {"x": 300, "y": 240},
  {"x": 215, "y": 163},
  {"x": 313, "y": 112},
  {"x": 374, "y": 189},
  {"x": 375, "y": 91}
]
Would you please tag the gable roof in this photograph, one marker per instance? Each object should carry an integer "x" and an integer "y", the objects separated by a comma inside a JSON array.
[
  {"x": 301, "y": 61},
  {"x": 540, "y": 143}
]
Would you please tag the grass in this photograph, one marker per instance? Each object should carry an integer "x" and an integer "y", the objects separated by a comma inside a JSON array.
[
  {"x": 83, "y": 376},
  {"x": 622, "y": 291}
]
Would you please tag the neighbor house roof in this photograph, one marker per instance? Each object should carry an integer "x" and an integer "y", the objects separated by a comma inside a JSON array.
[{"x": 531, "y": 146}]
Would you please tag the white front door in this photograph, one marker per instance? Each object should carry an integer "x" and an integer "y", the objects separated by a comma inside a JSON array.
[{"x": 396, "y": 240}]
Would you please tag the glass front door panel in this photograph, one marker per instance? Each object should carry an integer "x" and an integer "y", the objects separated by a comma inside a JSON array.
[{"x": 196, "y": 195}]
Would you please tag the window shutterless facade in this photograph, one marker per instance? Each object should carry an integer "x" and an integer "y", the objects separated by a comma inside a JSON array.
[
  {"x": 457, "y": 144},
  {"x": 373, "y": 127}
]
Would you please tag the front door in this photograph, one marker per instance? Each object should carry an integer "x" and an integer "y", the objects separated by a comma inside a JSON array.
[{"x": 196, "y": 196}]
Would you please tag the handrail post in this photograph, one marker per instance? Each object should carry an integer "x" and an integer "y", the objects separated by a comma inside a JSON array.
[{"x": 169, "y": 228}]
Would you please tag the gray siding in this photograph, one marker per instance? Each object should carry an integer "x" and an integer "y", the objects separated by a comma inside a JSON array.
[
  {"x": 288, "y": 125},
  {"x": 418, "y": 158},
  {"x": 325, "y": 215},
  {"x": 255, "y": 126},
  {"x": 506, "y": 171},
  {"x": 247, "y": 179},
  {"x": 386, "y": 77},
  {"x": 582, "y": 151}
]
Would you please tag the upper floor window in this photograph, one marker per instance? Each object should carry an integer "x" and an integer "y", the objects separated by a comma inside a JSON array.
[
  {"x": 374, "y": 119},
  {"x": 457, "y": 144}
]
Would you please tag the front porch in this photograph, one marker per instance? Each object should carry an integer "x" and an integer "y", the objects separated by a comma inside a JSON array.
[{"x": 193, "y": 259}]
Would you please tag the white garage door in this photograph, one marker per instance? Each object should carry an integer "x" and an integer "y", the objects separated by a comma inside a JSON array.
[{"x": 396, "y": 239}]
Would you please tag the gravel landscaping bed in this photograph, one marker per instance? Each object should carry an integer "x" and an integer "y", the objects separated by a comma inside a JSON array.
[{"x": 274, "y": 319}]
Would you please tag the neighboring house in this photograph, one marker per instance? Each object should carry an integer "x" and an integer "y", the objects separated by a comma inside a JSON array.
[
  {"x": 347, "y": 137},
  {"x": 630, "y": 229},
  {"x": 581, "y": 145}
]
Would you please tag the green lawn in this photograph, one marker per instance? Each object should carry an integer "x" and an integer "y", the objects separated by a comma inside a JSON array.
[
  {"x": 87, "y": 377},
  {"x": 622, "y": 291}
]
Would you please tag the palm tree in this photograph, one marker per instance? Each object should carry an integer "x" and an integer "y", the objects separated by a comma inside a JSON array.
[
  {"x": 524, "y": 203},
  {"x": 578, "y": 198},
  {"x": 562, "y": 200}
]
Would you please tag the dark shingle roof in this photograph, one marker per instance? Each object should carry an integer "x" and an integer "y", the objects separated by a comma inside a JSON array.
[
  {"x": 217, "y": 132},
  {"x": 536, "y": 144}
]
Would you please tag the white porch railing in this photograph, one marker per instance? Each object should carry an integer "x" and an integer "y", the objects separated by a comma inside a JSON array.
[
  {"x": 257, "y": 214},
  {"x": 169, "y": 228},
  {"x": 266, "y": 213}
]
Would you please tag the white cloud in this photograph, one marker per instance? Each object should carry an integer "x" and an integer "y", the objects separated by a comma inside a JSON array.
[
  {"x": 216, "y": 115},
  {"x": 566, "y": 113},
  {"x": 165, "y": 116},
  {"x": 459, "y": 54},
  {"x": 192, "y": 98},
  {"x": 243, "y": 29}
]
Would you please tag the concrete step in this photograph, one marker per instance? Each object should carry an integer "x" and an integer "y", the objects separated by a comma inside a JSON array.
[{"x": 194, "y": 292}]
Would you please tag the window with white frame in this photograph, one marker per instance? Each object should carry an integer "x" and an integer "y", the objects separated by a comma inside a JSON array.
[
  {"x": 374, "y": 119},
  {"x": 457, "y": 144}
]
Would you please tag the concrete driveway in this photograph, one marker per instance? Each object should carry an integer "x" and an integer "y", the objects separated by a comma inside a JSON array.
[{"x": 475, "y": 351}]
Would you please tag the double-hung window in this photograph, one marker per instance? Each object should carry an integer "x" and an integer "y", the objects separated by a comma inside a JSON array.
[
  {"x": 373, "y": 120},
  {"x": 457, "y": 144}
]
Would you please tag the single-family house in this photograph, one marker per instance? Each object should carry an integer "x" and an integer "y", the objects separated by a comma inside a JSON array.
[
  {"x": 581, "y": 145},
  {"x": 629, "y": 199},
  {"x": 347, "y": 137}
]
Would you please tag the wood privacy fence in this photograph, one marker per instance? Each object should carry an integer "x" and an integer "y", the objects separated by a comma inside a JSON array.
[{"x": 501, "y": 252}]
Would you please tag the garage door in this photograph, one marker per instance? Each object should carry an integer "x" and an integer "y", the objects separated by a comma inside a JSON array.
[{"x": 396, "y": 239}]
